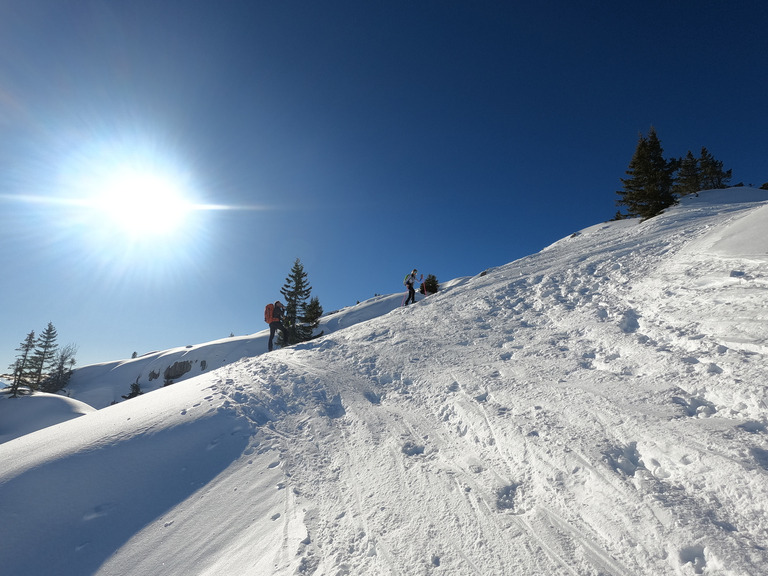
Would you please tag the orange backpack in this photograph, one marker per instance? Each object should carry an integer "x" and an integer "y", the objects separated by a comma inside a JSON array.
[{"x": 268, "y": 318}]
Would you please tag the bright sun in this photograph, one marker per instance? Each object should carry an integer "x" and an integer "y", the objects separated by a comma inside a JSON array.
[
  {"x": 131, "y": 203},
  {"x": 143, "y": 204}
]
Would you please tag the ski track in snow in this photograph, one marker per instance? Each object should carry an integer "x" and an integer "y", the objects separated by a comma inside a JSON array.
[
  {"x": 507, "y": 470},
  {"x": 598, "y": 408}
]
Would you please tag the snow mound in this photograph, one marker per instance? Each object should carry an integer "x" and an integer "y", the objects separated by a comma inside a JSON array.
[
  {"x": 743, "y": 236},
  {"x": 27, "y": 413}
]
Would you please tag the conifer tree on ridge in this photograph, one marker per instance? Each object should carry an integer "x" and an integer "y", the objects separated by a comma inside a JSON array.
[
  {"x": 648, "y": 190},
  {"x": 296, "y": 291},
  {"x": 712, "y": 174},
  {"x": 313, "y": 313},
  {"x": 45, "y": 353},
  {"x": 22, "y": 367},
  {"x": 688, "y": 177}
]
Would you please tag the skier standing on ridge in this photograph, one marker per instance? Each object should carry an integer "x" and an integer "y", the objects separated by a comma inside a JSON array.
[
  {"x": 273, "y": 315},
  {"x": 410, "y": 280}
]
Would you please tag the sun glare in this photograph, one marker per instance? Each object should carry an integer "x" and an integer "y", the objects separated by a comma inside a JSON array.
[
  {"x": 130, "y": 202},
  {"x": 143, "y": 204},
  {"x": 133, "y": 197}
]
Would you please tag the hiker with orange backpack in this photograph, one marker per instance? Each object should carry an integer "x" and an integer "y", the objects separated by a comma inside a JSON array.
[{"x": 273, "y": 315}]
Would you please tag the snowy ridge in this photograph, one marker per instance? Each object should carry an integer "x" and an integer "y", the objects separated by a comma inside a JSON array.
[
  {"x": 100, "y": 385},
  {"x": 596, "y": 408}
]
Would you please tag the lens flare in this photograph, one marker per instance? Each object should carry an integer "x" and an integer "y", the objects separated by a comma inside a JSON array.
[
  {"x": 128, "y": 208},
  {"x": 143, "y": 204}
]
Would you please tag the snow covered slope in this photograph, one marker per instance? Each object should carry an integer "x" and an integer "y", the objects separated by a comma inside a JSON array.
[
  {"x": 101, "y": 385},
  {"x": 596, "y": 408},
  {"x": 25, "y": 414}
]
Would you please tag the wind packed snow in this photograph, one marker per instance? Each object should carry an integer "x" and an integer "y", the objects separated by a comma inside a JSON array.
[{"x": 598, "y": 408}]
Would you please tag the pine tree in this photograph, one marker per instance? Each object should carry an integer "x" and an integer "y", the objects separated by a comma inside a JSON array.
[
  {"x": 430, "y": 284},
  {"x": 712, "y": 174},
  {"x": 45, "y": 354},
  {"x": 62, "y": 369},
  {"x": 688, "y": 179},
  {"x": 296, "y": 292},
  {"x": 313, "y": 314},
  {"x": 22, "y": 367},
  {"x": 648, "y": 190},
  {"x": 135, "y": 390},
  {"x": 618, "y": 216}
]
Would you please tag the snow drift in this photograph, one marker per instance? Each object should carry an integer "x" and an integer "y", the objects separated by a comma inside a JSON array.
[
  {"x": 27, "y": 414},
  {"x": 596, "y": 408}
]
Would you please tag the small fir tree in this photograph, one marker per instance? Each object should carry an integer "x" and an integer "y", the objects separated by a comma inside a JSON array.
[
  {"x": 45, "y": 354},
  {"x": 712, "y": 174},
  {"x": 296, "y": 292},
  {"x": 313, "y": 314},
  {"x": 22, "y": 366},
  {"x": 431, "y": 285},
  {"x": 648, "y": 190},
  {"x": 63, "y": 367},
  {"x": 688, "y": 179},
  {"x": 135, "y": 391}
]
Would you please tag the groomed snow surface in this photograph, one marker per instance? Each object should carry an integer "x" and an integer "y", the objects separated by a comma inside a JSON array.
[{"x": 598, "y": 408}]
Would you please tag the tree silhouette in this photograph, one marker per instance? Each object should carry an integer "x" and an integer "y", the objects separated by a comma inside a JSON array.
[
  {"x": 296, "y": 291},
  {"x": 22, "y": 367},
  {"x": 712, "y": 174},
  {"x": 648, "y": 190}
]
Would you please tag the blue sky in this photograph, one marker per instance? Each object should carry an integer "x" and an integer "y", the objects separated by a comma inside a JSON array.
[{"x": 365, "y": 138}]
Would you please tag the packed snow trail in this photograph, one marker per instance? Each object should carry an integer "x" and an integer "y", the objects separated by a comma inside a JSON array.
[
  {"x": 598, "y": 408},
  {"x": 511, "y": 466},
  {"x": 556, "y": 412}
]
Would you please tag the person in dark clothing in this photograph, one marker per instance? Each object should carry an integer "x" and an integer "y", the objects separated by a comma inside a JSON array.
[
  {"x": 409, "y": 281},
  {"x": 273, "y": 315}
]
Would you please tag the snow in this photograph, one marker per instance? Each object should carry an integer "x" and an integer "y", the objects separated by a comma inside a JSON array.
[
  {"x": 28, "y": 414},
  {"x": 596, "y": 408}
]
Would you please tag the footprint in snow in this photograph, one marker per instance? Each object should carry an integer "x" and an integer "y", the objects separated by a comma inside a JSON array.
[
  {"x": 505, "y": 497},
  {"x": 694, "y": 555},
  {"x": 760, "y": 456},
  {"x": 713, "y": 368},
  {"x": 629, "y": 322},
  {"x": 695, "y": 406},
  {"x": 625, "y": 460},
  {"x": 412, "y": 449},
  {"x": 752, "y": 427}
]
